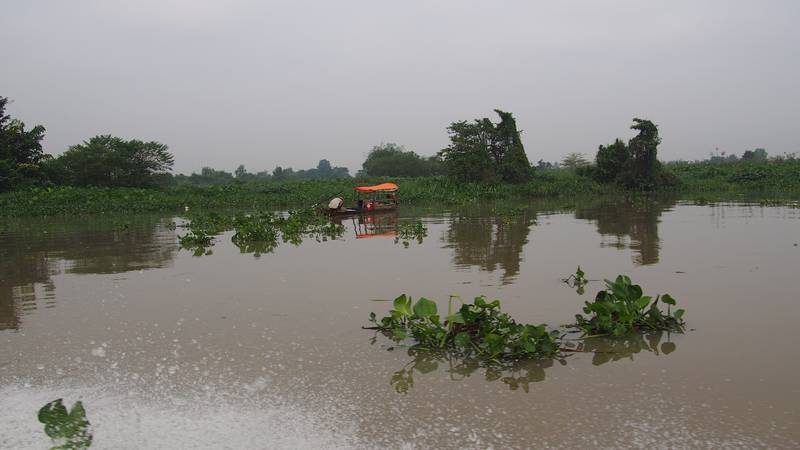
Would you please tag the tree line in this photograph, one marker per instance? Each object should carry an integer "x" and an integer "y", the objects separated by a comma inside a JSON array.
[
  {"x": 480, "y": 151},
  {"x": 209, "y": 176}
]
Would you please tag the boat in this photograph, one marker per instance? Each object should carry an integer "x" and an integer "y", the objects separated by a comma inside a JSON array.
[{"x": 367, "y": 200}]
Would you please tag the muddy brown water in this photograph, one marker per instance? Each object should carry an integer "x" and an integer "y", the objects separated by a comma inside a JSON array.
[{"x": 230, "y": 350}]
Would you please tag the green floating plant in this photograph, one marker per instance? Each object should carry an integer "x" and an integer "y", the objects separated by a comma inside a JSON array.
[
  {"x": 69, "y": 429},
  {"x": 480, "y": 330},
  {"x": 477, "y": 329},
  {"x": 621, "y": 308},
  {"x": 259, "y": 232}
]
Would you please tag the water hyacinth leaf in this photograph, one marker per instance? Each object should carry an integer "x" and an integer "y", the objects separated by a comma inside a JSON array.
[
  {"x": 71, "y": 428},
  {"x": 402, "y": 305},
  {"x": 666, "y": 298},
  {"x": 424, "y": 308},
  {"x": 455, "y": 318},
  {"x": 481, "y": 330},
  {"x": 462, "y": 339}
]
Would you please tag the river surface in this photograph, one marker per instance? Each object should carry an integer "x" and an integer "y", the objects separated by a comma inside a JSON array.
[{"x": 233, "y": 350}]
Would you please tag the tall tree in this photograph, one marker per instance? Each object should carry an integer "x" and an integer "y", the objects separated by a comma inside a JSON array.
[
  {"x": 482, "y": 151},
  {"x": 643, "y": 148},
  {"x": 610, "y": 160},
  {"x": 20, "y": 150},
  {"x": 635, "y": 165},
  {"x": 574, "y": 160},
  {"x": 112, "y": 161}
]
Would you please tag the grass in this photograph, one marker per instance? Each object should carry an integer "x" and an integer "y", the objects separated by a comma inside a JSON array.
[{"x": 701, "y": 181}]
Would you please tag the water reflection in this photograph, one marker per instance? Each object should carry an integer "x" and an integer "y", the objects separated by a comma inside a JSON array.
[
  {"x": 490, "y": 242},
  {"x": 370, "y": 225},
  {"x": 521, "y": 374},
  {"x": 33, "y": 251},
  {"x": 629, "y": 224}
]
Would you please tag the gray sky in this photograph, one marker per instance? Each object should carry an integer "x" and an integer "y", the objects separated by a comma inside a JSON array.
[{"x": 290, "y": 82}]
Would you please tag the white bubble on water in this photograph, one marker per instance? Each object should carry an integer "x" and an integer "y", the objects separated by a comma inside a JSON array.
[{"x": 125, "y": 419}]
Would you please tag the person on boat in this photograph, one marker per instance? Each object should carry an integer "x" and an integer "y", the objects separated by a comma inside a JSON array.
[{"x": 336, "y": 204}]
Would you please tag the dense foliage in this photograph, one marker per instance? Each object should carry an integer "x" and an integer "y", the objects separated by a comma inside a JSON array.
[
  {"x": 481, "y": 151},
  {"x": 622, "y": 308},
  {"x": 392, "y": 160},
  {"x": 257, "y": 232},
  {"x": 112, "y": 161},
  {"x": 477, "y": 329},
  {"x": 482, "y": 330},
  {"x": 20, "y": 151},
  {"x": 635, "y": 165}
]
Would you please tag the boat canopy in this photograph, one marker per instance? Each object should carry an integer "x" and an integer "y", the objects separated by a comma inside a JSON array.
[{"x": 389, "y": 187}]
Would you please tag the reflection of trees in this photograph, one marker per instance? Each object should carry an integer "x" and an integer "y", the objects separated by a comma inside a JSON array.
[
  {"x": 520, "y": 374},
  {"x": 32, "y": 252},
  {"x": 490, "y": 242},
  {"x": 629, "y": 219}
]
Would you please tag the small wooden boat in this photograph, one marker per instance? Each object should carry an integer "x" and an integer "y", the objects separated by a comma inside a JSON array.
[{"x": 368, "y": 200}]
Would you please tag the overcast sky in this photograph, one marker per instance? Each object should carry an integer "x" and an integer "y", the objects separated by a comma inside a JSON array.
[{"x": 290, "y": 82}]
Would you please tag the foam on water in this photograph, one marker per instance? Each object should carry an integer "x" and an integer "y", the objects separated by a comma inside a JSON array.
[{"x": 125, "y": 420}]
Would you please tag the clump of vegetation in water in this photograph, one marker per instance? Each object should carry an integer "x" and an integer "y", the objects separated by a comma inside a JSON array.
[
  {"x": 195, "y": 238},
  {"x": 577, "y": 280},
  {"x": 621, "y": 308},
  {"x": 258, "y": 233},
  {"x": 479, "y": 329},
  {"x": 69, "y": 428},
  {"x": 408, "y": 231}
]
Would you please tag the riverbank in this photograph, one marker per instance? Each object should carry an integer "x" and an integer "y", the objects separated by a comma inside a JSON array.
[{"x": 702, "y": 181}]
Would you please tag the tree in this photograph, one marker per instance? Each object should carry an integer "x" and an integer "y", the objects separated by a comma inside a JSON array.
[
  {"x": 610, "y": 160},
  {"x": 574, "y": 161},
  {"x": 111, "y": 161},
  {"x": 485, "y": 152},
  {"x": 758, "y": 154},
  {"x": 392, "y": 160},
  {"x": 514, "y": 166},
  {"x": 324, "y": 166},
  {"x": 643, "y": 150},
  {"x": 240, "y": 172},
  {"x": 635, "y": 165},
  {"x": 20, "y": 150}
]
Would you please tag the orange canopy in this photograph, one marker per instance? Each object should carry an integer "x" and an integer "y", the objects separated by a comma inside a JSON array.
[
  {"x": 378, "y": 187},
  {"x": 367, "y": 235}
]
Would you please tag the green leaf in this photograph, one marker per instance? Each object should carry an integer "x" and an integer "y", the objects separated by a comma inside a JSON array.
[
  {"x": 642, "y": 302},
  {"x": 462, "y": 339},
  {"x": 399, "y": 334},
  {"x": 455, "y": 318},
  {"x": 679, "y": 314},
  {"x": 424, "y": 308},
  {"x": 402, "y": 305},
  {"x": 666, "y": 298},
  {"x": 634, "y": 291}
]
